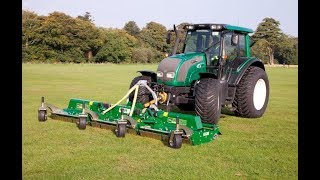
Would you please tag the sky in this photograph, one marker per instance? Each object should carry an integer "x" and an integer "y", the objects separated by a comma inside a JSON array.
[{"x": 116, "y": 13}]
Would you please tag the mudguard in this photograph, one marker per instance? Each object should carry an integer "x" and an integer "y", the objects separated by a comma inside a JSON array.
[
  {"x": 151, "y": 74},
  {"x": 240, "y": 66}
]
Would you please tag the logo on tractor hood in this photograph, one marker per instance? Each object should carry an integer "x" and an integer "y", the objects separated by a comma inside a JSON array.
[{"x": 200, "y": 65}]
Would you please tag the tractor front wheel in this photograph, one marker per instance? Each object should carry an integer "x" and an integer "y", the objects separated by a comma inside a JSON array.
[
  {"x": 143, "y": 93},
  {"x": 207, "y": 100},
  {"x": 252, "y": 93}
]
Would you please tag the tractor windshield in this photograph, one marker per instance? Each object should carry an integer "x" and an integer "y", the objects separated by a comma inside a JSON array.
[{"x": 202, "y": 39}]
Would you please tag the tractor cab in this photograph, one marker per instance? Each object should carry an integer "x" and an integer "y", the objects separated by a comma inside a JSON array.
[{"x": 221, "y": 43}]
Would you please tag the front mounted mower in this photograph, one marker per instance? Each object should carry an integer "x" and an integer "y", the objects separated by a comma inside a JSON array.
[{"x": 137, "y": 118}]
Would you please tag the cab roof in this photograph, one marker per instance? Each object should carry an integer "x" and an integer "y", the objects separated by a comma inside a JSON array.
[{"x": 223, "y": 26}]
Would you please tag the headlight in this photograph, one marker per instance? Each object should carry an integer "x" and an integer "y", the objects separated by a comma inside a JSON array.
[
  {"x": 159, "y": 74},
  {"x": 190, "y": 27},
  {"x": 170, "y": 75}
]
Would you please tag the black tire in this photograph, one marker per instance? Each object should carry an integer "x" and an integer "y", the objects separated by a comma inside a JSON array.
[
  {"x": 186, "y": 107},
  {"x": 143, "y": 93},
  {"x": 42, "y": 115},
  {"x": 246, "y": 102},
  {"x": 82, "y": 123},
  {"x": 121, "y": 130},
  {"x": 207, "y": 100},
  {"x": 176, "y": 142}
]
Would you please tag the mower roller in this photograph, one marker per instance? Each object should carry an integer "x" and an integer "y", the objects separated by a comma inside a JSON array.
[{"x": 134, "y": 117}]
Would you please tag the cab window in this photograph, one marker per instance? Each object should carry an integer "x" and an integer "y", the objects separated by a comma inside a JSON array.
[
  {"x": 230, "y": 51},
  {"x": 242, "y": 45}
]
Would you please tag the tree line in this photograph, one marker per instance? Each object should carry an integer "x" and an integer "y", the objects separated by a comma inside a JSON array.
[{"x": 59, "y": 37}]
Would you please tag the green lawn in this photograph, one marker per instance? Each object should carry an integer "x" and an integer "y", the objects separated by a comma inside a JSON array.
[{"x": 264, "y": 148}]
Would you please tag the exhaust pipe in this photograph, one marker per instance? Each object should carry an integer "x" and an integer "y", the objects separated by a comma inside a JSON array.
[{"x": 176, "y": 43}]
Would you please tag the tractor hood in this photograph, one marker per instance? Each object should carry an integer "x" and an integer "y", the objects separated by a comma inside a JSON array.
[{"x": 181, "y": 69}]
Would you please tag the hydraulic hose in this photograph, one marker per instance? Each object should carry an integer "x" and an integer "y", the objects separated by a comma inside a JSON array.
[
  {"x": 130, "y": 90},
  {"x": 134, "y": 100},
  {"x": 134, "y": 88}
]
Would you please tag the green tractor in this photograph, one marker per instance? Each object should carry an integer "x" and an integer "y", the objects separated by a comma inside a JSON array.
[{"x": 214, "y": 70}]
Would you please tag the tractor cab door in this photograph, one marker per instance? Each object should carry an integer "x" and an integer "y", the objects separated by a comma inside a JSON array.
[
  {"x": 212, "y": 51},
  {"x": 227, "y": 52},
  {"x": 232, "y": 51}
]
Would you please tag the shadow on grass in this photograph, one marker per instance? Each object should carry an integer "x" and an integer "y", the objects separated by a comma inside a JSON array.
[{"x": 224, "y": 111}]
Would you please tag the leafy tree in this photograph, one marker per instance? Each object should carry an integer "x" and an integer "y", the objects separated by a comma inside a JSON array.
[
  {"x": 269, "y": 31},
  {"x": 33, "y": 38},
  {"x": 154, "y": 35},
  {"x": 59, "y": 30},
  {"x": 142, "y": 55},
  {"x": 66, "y": 39},
  {"x": 287, "y": 52},
  {"x": 260, "y": 51},
  {"x": 117, "y": 47},
  {"x": 59, "y": 37},
  {"x": 31, "y": 23},
  {"x": 87, "y": 37},
  {"x": 86, "y": 17},
  {"x": 132, "y": 28},
  {"x": 34, "y": 53}
]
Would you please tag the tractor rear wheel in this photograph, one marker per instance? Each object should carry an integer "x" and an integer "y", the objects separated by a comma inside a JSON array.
[
  {"x": 143, "y": 93},
  {"x": 207, "y": 100},
  {"x": 252, "y": 93}
]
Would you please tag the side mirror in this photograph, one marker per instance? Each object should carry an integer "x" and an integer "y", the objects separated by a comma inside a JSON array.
[
  {"x": 168, "y": 38},
  {"x": 234, "y": 39}
]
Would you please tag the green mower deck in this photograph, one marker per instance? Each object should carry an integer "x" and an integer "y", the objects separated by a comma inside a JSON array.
[{"x": 171, "y": 127}]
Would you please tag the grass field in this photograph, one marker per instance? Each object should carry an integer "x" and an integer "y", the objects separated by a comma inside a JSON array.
[{"x": 264, "y": 148}]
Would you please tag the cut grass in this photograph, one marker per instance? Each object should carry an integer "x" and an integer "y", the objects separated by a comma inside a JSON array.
[{"x": 264, "y": 148}]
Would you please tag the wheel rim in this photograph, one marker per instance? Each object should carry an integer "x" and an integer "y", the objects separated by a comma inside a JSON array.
[
  {"x": 171, "y": 144},
  {"x": 259, "y": 94},
  {"x": 215, "y": 136}
]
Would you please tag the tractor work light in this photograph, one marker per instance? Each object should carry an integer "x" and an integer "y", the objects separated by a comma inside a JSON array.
[
  {"x": 159, "y": 74},
  {"x": 190, "y": 27},
  {"x": 215, "y": 27},
  {"x": 170, "y": 75}
]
